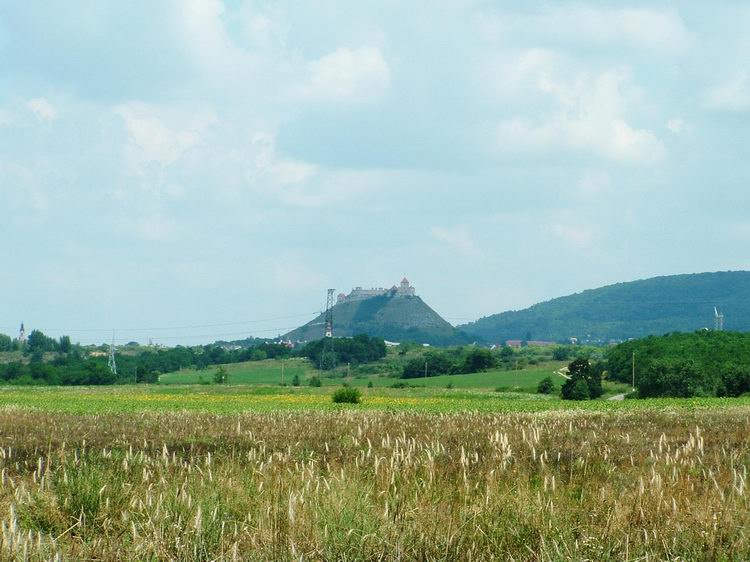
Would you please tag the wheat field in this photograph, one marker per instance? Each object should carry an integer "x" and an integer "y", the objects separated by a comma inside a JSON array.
[{"x": 375, "y": 485}]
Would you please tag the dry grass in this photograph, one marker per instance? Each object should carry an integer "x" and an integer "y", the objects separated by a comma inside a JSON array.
[{"x": 375, "y": 486}]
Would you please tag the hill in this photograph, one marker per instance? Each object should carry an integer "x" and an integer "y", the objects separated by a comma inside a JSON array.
[
  {"x": 389, "y": 316},
  {"x": 677, "y": 303}
]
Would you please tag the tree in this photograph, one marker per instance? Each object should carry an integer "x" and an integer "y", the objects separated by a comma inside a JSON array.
[
  {"x": 221, "y": 376},
  {"x": 39, "y": 342},
  {"x": 65, "y": 344},
  {"x": 477, "y": 360},
  {"x": 582, "y": 374},
  {"x": 576, "y": 390},
  {"x": 6, "y": 343},
  {"x": 295, "y": 380}
]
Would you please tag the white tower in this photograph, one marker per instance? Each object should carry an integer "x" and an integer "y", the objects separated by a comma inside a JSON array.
[{"x": 22, "y": 335}]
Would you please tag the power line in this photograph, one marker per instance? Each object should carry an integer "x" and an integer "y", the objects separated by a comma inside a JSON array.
[{"x": 187, "y": 327}]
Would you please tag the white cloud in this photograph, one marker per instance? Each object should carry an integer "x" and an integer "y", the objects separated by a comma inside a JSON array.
[
  {"x": 458, "y": 239},
  {"x": 654, "y": 30},
  {"x": 348, "y": 75},
  {"x": 588, "y": 111},
  {"x": 576, "y": 236},
  {"x": 678, "y": 126},
  {"x": 152, "y": 140},
  {"x": 732, "y": 95},
  {"x": 4, "y": 118},
  {"x": 43, "y": 109}
]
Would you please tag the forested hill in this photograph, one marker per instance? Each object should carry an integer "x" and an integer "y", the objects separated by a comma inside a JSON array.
[
  {"x": 677, "y": 303},
  {"x": 391, "y": 317}
]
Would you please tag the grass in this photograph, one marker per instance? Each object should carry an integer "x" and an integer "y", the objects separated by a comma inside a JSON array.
[
  {"x": 250, "y": 372},
  {"x": 350, "y": 483},
  {"x": 232, "y": 399},
  {"x": 269, "y": 373}
]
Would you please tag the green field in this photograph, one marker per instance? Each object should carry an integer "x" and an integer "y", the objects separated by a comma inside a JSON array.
[
  {"x": 269, "y": 373},
  {"x": 231, "y": 399}
]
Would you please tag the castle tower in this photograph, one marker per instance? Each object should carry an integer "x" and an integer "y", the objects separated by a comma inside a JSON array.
[{"x": 405, "y": 288}]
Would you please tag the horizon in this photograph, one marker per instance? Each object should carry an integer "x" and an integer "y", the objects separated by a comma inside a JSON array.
[
  {"x": 165, "y": 335},
  {"x": 224, "y": 163}
]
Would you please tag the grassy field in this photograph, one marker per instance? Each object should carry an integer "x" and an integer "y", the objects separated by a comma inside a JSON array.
[
  {"x": 232, "y": 399},
  {"x": 614, "y": 483},
  {"x": 269, "y": 373}
]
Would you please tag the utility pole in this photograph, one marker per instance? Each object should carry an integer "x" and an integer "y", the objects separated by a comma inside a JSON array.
[
  {"x": 634, "y": 371},
  {"x": 282, "y": 371},
  {"x": 425, "y": 369}
]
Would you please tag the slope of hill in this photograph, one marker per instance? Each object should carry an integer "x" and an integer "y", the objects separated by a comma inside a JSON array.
[
  {"x": 677, "y": 303},
  {"x": 391, "y": 317}
]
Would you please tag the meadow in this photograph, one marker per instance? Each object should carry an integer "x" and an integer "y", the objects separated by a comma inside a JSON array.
[
  {"x": 269, "y": 372},
  {"x": 632, "y": 480}
]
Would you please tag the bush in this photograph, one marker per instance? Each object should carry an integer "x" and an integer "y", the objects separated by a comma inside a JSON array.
[
  {"x": 315, "y": 381},
  {"x": 346, "y": 395},
  {"x": 369, "y": 384},
  {"x": 295, "y": 380},
  {"x": 221, "y": 376},
  {"x": 546, "y": 386}
]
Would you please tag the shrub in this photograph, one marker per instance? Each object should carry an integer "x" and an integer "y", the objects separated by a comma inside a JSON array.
[
  {"x": 369, "y": 384},
  {"x": 546, "y": 386},
  {"x": 221, "y": 376},
  {"x": 295, "y": 380},
  {"x": 346, "y": 395},
  {"x": 315, "y": 381},
  {"x": 449, "y": 385}
]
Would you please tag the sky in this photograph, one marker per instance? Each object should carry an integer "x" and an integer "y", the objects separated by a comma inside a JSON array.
[{"x": 193, "y": 170}]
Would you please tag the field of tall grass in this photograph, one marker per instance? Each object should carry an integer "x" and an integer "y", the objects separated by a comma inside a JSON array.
[{"x": 354, "y": 484}]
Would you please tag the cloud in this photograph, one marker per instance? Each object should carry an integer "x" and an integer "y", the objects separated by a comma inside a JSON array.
[
  {"x": 348, "y": 75},
  {"x": 576, "y": 236},
  {"x": 588, "y": 111},
  {"x": 733, "y": 95},
  {"x": 650, "y": 29},
  {"x": 151, "y": 140},
  {"x": 677, "y": 126},
  {"x": 458, "y": 239},
  {"x": 43, "y": 109}
]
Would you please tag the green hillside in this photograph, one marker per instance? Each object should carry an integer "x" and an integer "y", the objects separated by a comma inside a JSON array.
[
  {"x": 391, "y": 317},
  {"x": 677, "y": 303}
]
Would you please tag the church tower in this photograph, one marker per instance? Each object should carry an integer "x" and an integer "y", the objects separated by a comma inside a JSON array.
[{"x": 22, "y": 335}]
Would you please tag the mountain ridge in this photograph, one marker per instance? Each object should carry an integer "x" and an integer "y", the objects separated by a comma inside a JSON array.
[{"x": 630, "y": 309}]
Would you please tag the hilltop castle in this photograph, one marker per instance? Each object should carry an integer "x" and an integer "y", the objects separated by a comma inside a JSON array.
[{"x": 404, "y": 289}]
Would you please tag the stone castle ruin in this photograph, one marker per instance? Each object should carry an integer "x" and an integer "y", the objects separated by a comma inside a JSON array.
[{"x": 404, "y": 289}]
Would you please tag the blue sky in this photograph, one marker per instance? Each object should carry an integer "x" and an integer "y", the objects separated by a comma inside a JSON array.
[{"x": 183, "y": 163}]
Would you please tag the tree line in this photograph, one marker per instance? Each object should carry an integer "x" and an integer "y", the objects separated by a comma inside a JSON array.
[{"x": 703, "y": 363}]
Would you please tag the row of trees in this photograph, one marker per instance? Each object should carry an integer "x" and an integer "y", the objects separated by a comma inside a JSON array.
[
  {"x": 703, "y": 363},
  {"x": 360, "y": 349}
]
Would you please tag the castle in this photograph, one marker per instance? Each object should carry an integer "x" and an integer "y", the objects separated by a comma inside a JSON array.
[{"x": 404, "y": 289}]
